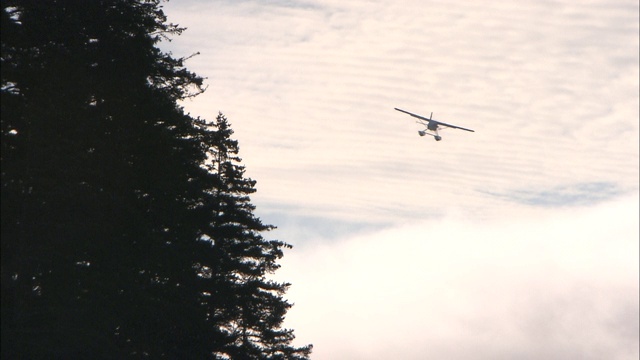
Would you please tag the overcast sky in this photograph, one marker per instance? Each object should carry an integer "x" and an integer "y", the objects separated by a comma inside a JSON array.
[{"x": 517, "y": 241}]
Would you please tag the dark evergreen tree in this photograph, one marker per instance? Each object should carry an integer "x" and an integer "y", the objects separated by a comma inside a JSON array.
[
  {"x": 121, "y": 236},
  {"x": 95, "y": 168},
  {"x": 245, "y": 306}
]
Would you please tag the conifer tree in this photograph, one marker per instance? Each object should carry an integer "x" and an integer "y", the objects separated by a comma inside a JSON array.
[
  {"x": 244, "y": 305},
  {"x": 127, "y": 230},
  {"x": 95, "y": 169}
]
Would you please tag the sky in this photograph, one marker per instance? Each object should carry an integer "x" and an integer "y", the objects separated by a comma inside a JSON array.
[{"x": 519, "y": 240}]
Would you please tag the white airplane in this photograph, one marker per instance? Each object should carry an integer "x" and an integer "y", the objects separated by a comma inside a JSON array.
[{"x": 432, "y": 125}]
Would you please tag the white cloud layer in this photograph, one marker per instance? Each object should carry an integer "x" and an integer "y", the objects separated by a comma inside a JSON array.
[
  {"x": 558, "y": 285},
  {"x": 518, "y": 241},
  {"x": 551, "y": 89}
]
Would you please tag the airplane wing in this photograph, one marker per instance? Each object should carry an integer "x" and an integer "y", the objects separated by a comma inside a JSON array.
[
  {"x": 451, "y": 126},
  {"x": 435, "y": 121},
  {"x": 414, "y": 115}
]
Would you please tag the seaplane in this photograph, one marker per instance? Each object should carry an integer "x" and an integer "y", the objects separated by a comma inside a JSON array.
[{"x": 432, "y": 126}]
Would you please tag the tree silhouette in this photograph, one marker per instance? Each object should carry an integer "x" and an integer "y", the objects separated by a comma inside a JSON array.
[
  {"x": 106, "y": 193},
  {"x": 245, "y": 306}
]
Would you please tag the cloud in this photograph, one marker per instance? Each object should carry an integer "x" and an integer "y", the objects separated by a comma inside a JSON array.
[
  {"x": 517, "y": 241},
  {"x": 549, "y": 87},
  {"x": 558, "y": 284},
  {"x": 561, "y": 196}
]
